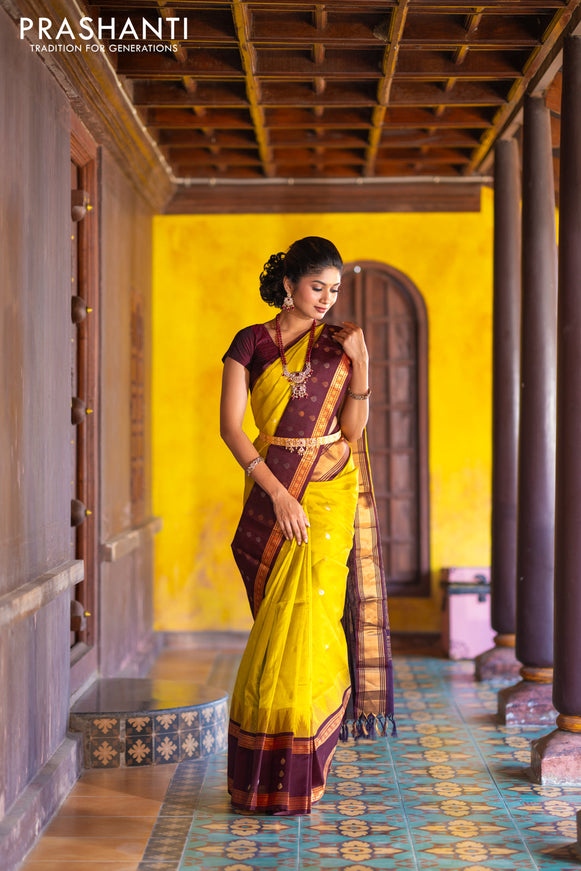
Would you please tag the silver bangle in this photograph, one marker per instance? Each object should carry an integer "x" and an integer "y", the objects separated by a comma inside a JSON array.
[
  {"x": 359, "y": 395},
  {"x": 253, "y": 464}
]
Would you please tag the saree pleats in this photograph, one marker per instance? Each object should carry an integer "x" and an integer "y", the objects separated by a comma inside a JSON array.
[{"x": 293, "y": 683}]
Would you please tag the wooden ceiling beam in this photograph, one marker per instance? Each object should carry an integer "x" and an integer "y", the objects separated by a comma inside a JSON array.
[
  {"x": 299, "y": 156},
  {"x": 200, "y": 64},
  {"x": 444, "y": 156},
  {"x": 402, "y": 94},
  {"x": 321, "y": 16},
  {"x": 356, "y": 157},
  {"x": 406, "y": 93},
  {"x": 445, "y": 29},
  {"x": 175, "y": 139},
  {"x": 179, "y": 53},
  {"x": 218, "y": 64},
  {"x": 451, "y": 30},
  {"x": 390, "y": 58},
  {"x": 328, "y": 140},
  {"x": 472, "y": 25},
  {"x": 281, "y": 198},
  {"x": 507, "y": 7},
  {"x": 422, "y": 139},
  {"x": 534, "y": 67},
  {"x": 201, "y": 158},
  {"x": 346, "y": 6},
  {"x": 182, "y": 118},
  {"x": 353, "y": 118},
  {"x": 241, "y": 17},
  {"x": 319, "y": 51},
  {"x": 320, "y": 85},
  {"x": 478, "y": 65},
  {"x": 323, "y": 95},
  {"x": 188, "y": 92},
  {"x": 295, "y": 64}
]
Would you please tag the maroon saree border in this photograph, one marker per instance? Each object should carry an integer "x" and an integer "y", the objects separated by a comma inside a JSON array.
[{"x": 293, "y": 770}]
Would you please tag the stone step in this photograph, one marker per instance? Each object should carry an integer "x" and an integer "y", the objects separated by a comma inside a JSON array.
[{"x": 142, "y": 721}]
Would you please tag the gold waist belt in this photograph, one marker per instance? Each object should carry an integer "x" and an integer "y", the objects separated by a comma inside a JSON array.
[{"x": 300, "y": 445}]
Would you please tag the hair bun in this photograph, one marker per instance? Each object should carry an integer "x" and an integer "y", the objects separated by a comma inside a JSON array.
[{"x": 272, "y": 280}]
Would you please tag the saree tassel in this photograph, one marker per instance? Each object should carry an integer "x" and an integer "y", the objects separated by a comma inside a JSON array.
[
  {"x": 391, "y": 718},
  {"x": 344, "y": 732},
  {"x": 371, "y": 726}
]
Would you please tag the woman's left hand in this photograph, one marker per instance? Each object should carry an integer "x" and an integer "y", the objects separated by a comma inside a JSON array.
[{"x": 352, "y": 340}]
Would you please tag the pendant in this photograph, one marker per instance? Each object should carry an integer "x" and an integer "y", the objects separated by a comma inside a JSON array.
[
  {"x": 298, "y": 391},
  {"x": 297, "y": 381}
]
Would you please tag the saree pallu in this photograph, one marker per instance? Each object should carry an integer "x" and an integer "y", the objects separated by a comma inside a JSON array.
[{"x": 289, "y": 703}]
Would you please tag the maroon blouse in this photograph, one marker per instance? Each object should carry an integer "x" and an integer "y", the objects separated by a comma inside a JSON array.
[{"x": 255, "y": 349}]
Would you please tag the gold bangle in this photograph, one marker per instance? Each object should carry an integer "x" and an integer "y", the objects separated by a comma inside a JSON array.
[
  {"x": 359, "y": 395},
  {"x": 253, "y": 465}
]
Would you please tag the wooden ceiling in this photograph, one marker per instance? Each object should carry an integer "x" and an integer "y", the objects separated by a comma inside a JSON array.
[{"x": 338, "y": 92}]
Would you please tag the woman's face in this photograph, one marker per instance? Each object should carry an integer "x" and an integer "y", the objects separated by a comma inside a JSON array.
[{"x": 315, "y": 293}]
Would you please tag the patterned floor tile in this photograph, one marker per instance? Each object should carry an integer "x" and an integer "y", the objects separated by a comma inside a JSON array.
[{"x": 451, "y": 791}]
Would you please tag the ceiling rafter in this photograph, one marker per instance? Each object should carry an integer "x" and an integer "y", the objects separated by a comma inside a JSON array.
[
  {"x": 179, "y": 53},
  {"x": 275, "y": 89},
  {"x": 240, "y": 16},
  {"x": 396, "y": 28},
  {"x": 319, "y": 51},
  {"x": 471, "y": 26},
  {"x": 533, "y": 67}
]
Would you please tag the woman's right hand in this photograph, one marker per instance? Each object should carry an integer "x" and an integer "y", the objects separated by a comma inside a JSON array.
[{"x": 290, "y": 516}]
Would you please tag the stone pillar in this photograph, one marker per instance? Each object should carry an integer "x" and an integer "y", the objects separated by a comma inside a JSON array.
[
  {"x": 529, "y": 701},
  {"x": 501, "y": 661},
  {"x": 556, "y": 758}
]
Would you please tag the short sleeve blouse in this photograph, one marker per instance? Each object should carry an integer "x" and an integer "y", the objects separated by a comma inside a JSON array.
[{"x": 254, "y": 349}]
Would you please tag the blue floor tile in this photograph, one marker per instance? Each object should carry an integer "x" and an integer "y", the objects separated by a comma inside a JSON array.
[{"x": 451, "y": 791}]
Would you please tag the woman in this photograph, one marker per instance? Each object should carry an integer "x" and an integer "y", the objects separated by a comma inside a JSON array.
[{"x": 299, "y": 528}]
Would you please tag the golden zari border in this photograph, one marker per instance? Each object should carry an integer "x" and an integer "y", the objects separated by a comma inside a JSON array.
[
  {"x": 288, "y": 740},
  {"x": 295, "y": 804},
  {"x": 373, "y": 645}
]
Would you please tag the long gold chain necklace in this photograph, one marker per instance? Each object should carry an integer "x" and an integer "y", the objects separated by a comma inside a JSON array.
[{"x": 297, "y": 380}]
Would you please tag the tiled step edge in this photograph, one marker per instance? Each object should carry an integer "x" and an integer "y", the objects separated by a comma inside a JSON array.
[{"x": 138, "y": 738}]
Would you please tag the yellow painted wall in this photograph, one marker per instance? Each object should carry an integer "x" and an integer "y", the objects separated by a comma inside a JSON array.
[{"x": 205, "y": 289}]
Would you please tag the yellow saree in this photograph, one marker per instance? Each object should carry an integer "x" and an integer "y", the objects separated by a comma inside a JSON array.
[{"x": 294, "y": 681}]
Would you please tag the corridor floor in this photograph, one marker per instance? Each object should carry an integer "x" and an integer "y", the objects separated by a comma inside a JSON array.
[{"x": 449, "y": 792}]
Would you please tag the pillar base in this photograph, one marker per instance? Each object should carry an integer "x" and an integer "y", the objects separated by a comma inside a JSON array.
[
  {"x": 527, "y": 704},
  {"x": 556, "y": 760},
  {"x": 499, "y": 662}
]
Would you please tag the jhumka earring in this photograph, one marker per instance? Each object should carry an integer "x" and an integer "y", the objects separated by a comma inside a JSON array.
[{"x": 288, "y": 304}]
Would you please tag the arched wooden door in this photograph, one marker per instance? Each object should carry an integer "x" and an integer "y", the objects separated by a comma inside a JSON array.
[{"x": 392, "y": 313}]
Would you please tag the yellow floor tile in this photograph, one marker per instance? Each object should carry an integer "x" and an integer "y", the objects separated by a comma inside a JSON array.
[
  {"x": 77, "y": 865},
  {"x": 100, "y": 827},
  {"x": 96, "y": 849},
  {"x": 147, "y": 782},
  {"x": 110, "y": 805}
]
